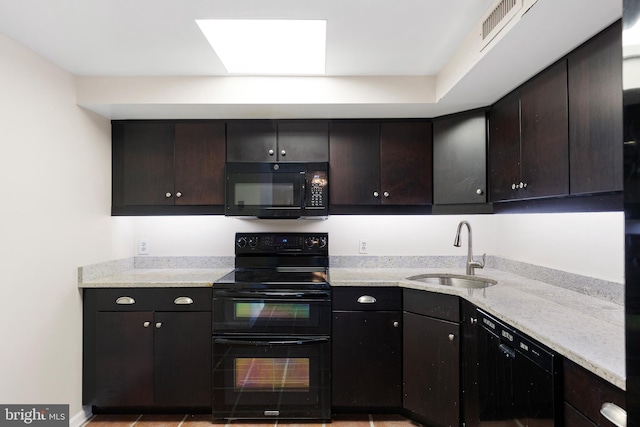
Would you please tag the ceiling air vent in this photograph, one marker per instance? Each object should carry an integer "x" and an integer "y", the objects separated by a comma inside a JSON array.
[{"x": 498, "y": 17}]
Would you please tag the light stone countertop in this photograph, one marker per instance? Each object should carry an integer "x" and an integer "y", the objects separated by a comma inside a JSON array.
[
  {"x": 581, "y": 327},
  {"x": 159, "y": 278},
  {"x": 584, "y": 329}
]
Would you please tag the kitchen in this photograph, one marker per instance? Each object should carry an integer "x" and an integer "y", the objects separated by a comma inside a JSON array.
[{"x": 45, "y": 238}]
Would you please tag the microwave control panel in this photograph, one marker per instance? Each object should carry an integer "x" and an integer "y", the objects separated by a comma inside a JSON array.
[{"x": 316, "y": 189}]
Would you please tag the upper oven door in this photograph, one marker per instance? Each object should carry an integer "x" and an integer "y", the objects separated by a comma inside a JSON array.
[
  {"x": 264, "y": 189},
  {"x": 272, "y": 312}
]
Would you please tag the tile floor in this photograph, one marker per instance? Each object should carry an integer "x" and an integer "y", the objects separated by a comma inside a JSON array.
[{"x": 204, "y": 420}]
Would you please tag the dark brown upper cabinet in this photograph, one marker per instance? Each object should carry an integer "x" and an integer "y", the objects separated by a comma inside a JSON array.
[
  {"x": 595, "y": 114},
  {"x": 278, "y": 141},
  {"x": 529, "y": 139},
  {"x": 460, "y": 158},
  {"x": 380, "y": 163},
  {"x": 158, "y": 166}
]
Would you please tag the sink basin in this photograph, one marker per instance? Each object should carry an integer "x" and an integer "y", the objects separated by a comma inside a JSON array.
[{"x": 469, "y": 282}]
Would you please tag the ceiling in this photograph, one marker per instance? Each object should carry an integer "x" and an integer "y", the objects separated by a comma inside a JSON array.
[{"x": 106, "y": 41}]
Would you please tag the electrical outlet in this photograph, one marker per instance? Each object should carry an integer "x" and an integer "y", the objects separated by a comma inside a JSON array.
[
  {"x": 143, "y": 247},
  {"x": 364, "y": 246}
]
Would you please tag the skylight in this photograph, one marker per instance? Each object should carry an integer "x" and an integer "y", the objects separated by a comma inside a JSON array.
[{"x": 255, "y": 46}]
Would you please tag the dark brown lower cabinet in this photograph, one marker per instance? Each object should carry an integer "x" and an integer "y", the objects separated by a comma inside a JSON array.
[
  {"x": 367, "y": 349},
  {"x": 584, "y": 395},
  {"x": 137, "y": 358},
  {"x": 431, "y": 358}
]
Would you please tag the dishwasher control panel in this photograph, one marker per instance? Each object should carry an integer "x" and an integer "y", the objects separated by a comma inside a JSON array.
[{"x": 516, "y": 340}]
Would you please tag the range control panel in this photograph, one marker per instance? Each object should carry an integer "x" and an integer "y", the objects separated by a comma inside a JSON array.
[{"x": 276, "y": 243}]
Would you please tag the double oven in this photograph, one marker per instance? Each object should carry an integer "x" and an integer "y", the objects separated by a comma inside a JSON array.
[{"x": 271, "y": 330}]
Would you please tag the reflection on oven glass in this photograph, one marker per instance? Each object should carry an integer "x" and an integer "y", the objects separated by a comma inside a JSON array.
[
  {"x": 272, "y": 374},
  {"x": 262, "y": 310}
]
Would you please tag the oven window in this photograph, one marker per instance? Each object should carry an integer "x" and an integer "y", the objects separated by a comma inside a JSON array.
[
  {"x": 272, "y": 374},
  {"x": 262, "y": 310},
  {"x": 264, "y": 194}
]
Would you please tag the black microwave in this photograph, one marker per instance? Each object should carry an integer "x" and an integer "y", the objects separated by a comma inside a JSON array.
[{"x": 276, "y": 190}]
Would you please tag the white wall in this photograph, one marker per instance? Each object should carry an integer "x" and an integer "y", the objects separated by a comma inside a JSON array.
[
  {"x": 590, "y": 244},
  {"x": 55, "y": 170}
]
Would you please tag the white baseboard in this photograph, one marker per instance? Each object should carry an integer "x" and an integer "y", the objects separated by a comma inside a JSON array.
[{"x": 81, "y": 417}]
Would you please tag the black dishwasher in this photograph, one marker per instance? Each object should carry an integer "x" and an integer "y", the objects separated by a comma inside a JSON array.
[{"x": 518, "y": 378}]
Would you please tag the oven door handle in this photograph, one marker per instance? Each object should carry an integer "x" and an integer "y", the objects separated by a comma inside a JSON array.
[
  {"x": 264, "y": 343},
  {"x": 283, "y": 294}
]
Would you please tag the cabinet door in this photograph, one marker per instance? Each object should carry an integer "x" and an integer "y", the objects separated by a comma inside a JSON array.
[
  {"x": 182, "y": 359},
  {"x": 199, "y": 163},
  {"x": 303, "y": 141},
  {"x": 460, "y": 159},
  {"x": 124, "y": 359},
  {"x": 504, "y": 147},
  {"x": 405, "y": 163},
  {"x": 146, "y": 160},
  {"x": 545, "y": 134},
  {"x": 251, "y": 141},
  {"x": 367, "y": 370},
  {"x": 595, "y": 114},
  {"x": 431, "y": 376},
  {"x": 354, "y": 155}
]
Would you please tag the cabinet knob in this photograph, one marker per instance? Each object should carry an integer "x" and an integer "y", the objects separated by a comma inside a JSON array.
[
  {"x": 376, "y": 194},
  {"x": 479, "y": 191},
  {"x": 451, "y": 337},
  {"x": 514, "y": 186},
  {"x": 167, "y": 194},
  {"x": 522, "y": 185},
  {"x": 283, "y": 153},
  {"x": 178, "y": 194},
  {"x": 146, "y": 324},
  {"x": 271, "y": 152},
  {"x": 158, "y": 325},
  {"x": 396, "y": 324},
  {"x": 385, "y": 194}
]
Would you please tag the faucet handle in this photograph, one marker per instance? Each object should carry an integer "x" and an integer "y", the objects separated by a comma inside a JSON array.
[{"x": 478, "y": 264}]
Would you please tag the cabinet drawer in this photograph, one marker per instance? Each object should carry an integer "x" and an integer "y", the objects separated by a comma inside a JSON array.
[
  {"x": 156, "y": 299},
  {"x": 432, "y": 304},
  {"x": 586, "y": 392},
  {"x": 368, "y": 298}
]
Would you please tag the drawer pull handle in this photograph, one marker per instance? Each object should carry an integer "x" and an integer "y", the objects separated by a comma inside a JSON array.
[
  {"x": 367, "y": 299},
  {"x": 614, "y": 413},
  {"x": 125, "y": 301},
  {"x": 146, "y": 324},
  {"x": 183, "y": 301}
]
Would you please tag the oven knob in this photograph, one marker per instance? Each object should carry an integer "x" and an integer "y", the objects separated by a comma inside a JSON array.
[
  {"x": 241, "y": 242},
  {"x": 253, "y": 242},
  {"x": 322, "y": 242},
  {"x": 310, "y": 242}
]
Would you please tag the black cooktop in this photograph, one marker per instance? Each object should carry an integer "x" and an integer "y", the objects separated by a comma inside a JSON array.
[
  {"x": 279, "y": 260},
  {"x": 250, "y": 278}
]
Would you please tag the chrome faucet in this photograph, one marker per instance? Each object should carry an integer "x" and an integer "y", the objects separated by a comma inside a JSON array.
[{"x": 471, "y": 264}]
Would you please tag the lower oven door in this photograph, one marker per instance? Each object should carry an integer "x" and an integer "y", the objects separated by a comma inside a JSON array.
[
  {"x": 280, "y": 378},
  {"x": 272, "y": 312}
]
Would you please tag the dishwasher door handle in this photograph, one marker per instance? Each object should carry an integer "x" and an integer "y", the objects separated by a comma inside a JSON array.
[{"x": 507, "y": 351}]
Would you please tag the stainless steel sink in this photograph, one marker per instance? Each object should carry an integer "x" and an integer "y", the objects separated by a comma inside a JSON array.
[{"x": 468, "y": 282}]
